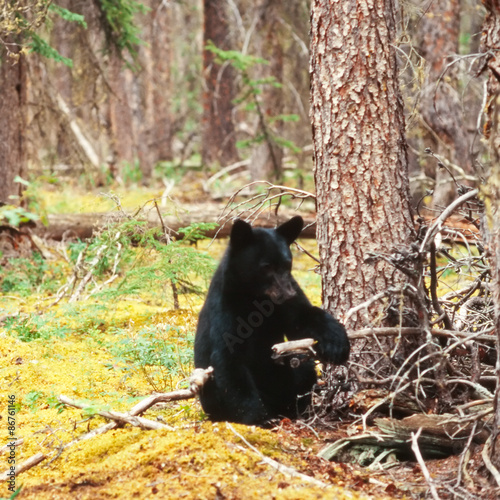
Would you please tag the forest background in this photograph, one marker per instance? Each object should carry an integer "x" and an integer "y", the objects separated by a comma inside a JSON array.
[{"x": 191, "y": 101}]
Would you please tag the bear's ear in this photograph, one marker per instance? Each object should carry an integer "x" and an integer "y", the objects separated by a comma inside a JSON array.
[
  {"x": 290, "y": 230},
  {"x": 241, "y": 234}
]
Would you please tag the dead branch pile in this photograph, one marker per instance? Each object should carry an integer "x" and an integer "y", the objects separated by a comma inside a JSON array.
[{"x": 437, "y": 366}]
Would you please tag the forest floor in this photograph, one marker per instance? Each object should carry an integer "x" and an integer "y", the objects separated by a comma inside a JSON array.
[{"x": 112, "y": 346}]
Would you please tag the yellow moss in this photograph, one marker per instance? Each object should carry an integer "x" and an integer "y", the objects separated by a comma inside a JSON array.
[
  {"x": 195, "y": 461},
  {"x": 78, "y": 200}
]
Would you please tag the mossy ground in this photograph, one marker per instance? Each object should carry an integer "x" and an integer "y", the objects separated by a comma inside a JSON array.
[{"x": 71, "y": 349}]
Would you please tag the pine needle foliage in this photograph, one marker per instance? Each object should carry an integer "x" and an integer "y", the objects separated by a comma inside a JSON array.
[
  {"x": 249, "y": 98},
  {"x": 119, "y": 24},
  {"x": 21, "y": 24},
  {"x": 139, "y": 259},
  {"x": 159, "y": 353}
]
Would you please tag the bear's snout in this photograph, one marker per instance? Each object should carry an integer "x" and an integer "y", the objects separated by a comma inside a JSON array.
[{"x": 282, "y": 288}]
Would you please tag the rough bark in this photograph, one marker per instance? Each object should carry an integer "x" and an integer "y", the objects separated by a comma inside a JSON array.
[
  {"x": 218, "y": 138},
  {"x": 491, "y": 191},
  {"x": 441, "y": 109},
  {"x": 360, "y": 151},
  {"x": 12, "y": 123}
]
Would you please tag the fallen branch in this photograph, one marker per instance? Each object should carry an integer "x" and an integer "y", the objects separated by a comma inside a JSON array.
[
  {"x": 296, "y": 351},
  {"x": 395, "y": 331},
  {"x": 83, "y": 226},
  {"x": 302, "y": 346},
  {"x": 196, "y": 381},
  {"x": 420, "y": 460},
  {"x": 119, "y": 417},
  {"x": 284, "y": 469},
  {"x": 7, "y": 447},
  {"x": 24, "y": 466}
]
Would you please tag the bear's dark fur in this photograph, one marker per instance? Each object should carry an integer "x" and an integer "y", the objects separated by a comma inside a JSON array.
[{"x": 253, "y": 303}]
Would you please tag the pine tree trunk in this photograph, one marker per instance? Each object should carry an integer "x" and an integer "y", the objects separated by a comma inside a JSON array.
[
  {"x": 267, "y": 157},
  {"x": 360, "y": 152},
  {"x": 441, "y": 106},
  {"x": 120, "y": 111},
  {"x": 12, "y": 123},
  {"x": 154, "y": 126},
  {"x": 218, "y": 138}
]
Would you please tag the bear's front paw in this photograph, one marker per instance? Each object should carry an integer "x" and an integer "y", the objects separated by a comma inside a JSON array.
[
  {"x": 333, "y": 350},
  {"x": 333, "y": 343}
]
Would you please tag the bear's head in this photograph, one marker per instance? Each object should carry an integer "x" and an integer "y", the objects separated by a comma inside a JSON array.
[{"x": 260, "y": 260}]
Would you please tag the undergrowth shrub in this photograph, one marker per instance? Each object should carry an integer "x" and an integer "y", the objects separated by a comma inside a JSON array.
[
  {"x": 34, "y": 327},
  {"x": 28, "y": 276},
  {"x": 158, "y": 353},
  {"x": 136, "y": 259}
]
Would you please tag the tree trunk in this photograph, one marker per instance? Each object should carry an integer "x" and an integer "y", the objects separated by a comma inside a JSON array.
[
  {"x": 441, "y": 109},
  {"x": 84, "y": 225},
  {"x": 218, "y": 138},
  {"x": 12, "y": 122},
  {"x": 120, "y": 112},
  {"x": 267, "y": 156},
  {"x": 155, "y": 120},
  {"x": 161, "y": 50},
  {"x": 491, "y": 191},
  {"x": 360, "y": 153}
]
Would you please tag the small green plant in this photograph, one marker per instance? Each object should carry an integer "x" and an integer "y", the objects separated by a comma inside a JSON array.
[
  {"x": 169, "y": 170},
  {"x": 53, "y": 402},
  {"x": 31, "y": 400},
  {"x": 31, "y": 210},
  {"x": 94, "y": 408},
  {"x": 176, "y": 263},
  {"x": 28, "y": 276},
  {"x": 15, "y": 216},
  {"x": 249, "y": 97},
  {"x": 36, "y": 327},
  {"x": 157, "y": 353},
  {"x": 131, "y": 172}
]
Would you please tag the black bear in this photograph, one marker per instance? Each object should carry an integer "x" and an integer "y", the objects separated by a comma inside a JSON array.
[{"x": 253, "y": 303}]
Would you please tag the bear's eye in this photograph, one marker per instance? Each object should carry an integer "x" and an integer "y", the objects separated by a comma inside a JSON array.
[{"x": 265, "y": 267}]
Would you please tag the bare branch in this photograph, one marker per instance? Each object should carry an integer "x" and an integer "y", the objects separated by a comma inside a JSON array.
[
  {"x": 438, "y": 223},
  {"x": 420, "y": 460},
  {"x": 284, "y": 469}
]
